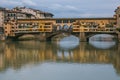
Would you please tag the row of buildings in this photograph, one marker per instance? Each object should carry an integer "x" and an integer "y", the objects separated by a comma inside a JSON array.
[{"x": 20, "y": 13}]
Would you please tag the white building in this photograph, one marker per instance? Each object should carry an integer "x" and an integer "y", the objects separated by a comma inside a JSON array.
[
  {"x": 14, "y": 15},
  {"x": 37, "y": 13}
]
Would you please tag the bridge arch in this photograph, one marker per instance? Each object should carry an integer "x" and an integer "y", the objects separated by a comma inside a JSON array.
[
  {"x": 70, "y": 28},
  {"x": 65, "y": 27},
  {"x": 27, "y": 36},
  {"x": 57, "y": 33},
  {"x": 18, "y": 36},
  {"x": 59, "y": 27},
  {"x": 102, "y": 36}
]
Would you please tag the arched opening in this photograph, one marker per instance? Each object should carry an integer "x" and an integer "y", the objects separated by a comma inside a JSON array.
[
  {"x": 102, "y": 41},
  {"x": 70, "y": 27},
  {"x": 54, "y": 28},
  {"x": 101, "y": 37},
  {"x": 102, "y": 44},
  {"x": 26, "y": 37},
  {"x": 59, "y": 27},
  {"x": 68, "y": 42},
  {"x": 1, "y": 30},
  {"x": 60, "y": 35},
  {"x": 65, "y": 28}
]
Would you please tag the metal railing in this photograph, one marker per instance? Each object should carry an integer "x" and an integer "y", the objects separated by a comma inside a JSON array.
[
  {"x": 94, "y": 30},
  {"x": 27, "y": 30}
]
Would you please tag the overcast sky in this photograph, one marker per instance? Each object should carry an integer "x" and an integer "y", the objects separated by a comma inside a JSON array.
[{"x": 68, "y": 8}]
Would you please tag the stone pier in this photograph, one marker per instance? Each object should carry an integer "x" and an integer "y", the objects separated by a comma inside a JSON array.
[
  {"x": 41, "y": 37},
  {"x": 118, "y": 37},
  {"x": 82, "y": 37}
]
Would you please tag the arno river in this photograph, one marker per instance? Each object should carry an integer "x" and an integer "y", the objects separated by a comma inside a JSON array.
[{"x": 68, "y": 59}]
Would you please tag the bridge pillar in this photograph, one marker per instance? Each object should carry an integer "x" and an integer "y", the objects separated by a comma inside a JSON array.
[
  {"x": 41, "y": 37},
  {"x": 118, "y": 37},
  {"x": 82, "y": 37}
]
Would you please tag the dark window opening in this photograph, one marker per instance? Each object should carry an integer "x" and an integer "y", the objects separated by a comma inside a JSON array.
[{"x": 58, "y": 21}]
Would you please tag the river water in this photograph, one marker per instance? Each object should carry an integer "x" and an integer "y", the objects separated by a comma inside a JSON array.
[{"x": 67, "y": 59}]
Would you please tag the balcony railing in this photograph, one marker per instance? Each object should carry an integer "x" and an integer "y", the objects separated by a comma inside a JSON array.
[
  {"x": 94, "y": 30},
  {"x": 32, "y": 30}
]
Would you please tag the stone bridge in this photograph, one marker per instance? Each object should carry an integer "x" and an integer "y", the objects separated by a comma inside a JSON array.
[{"x": 45, "y": 29}]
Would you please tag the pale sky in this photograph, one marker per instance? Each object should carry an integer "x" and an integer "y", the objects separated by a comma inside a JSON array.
[{"x": 68, "y": 8}]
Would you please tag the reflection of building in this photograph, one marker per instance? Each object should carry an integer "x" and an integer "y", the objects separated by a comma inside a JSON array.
[{"x": 117, "y": 63}]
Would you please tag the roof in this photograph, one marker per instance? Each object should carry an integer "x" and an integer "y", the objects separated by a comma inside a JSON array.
[
  {"x": 35, "y": 10},
  {"x": 48, "y": 13},
  {"x": 11, "y": 11},
  {"x": 1, "y": 8},
  {"x": 117, "y": 8},
  {"x": 99, "y": 18}
]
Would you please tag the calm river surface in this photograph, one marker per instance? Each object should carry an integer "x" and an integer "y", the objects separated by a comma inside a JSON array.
[{"x": 68, "y": 59}]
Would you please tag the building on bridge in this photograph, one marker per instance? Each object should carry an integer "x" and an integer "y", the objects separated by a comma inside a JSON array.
[{"x": 52, "y": 26}]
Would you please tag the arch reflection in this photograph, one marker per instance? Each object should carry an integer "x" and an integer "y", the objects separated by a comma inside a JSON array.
[
  {"x": 102, "y": 37},
  {"x": 68, "y": 43},
  {"x": 102, "y": 44}
]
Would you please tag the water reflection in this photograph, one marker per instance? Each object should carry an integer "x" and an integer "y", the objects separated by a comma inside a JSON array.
[
  {"x": 69, "y": 42},
  {"x": 102, "y": 44},
  {"x": 100, "y": 37},
  {"x": 46, "y": 55}
]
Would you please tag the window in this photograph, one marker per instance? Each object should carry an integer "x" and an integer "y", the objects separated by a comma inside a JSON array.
[
  {"x": 14, "y": 15},
  {"x": 40, "y": 26},
  {"x": 65, "y": 21},
  {"x": 12, "y": 31},
  {"x": 46, "y": 26},
  {"x": 12, "y": 27},
  {"x": 47, "y": 23},
  {"x": 8, "y": 15},
  {"x": 58, "y": 21},
  {"x": 71, "y": 21}
]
